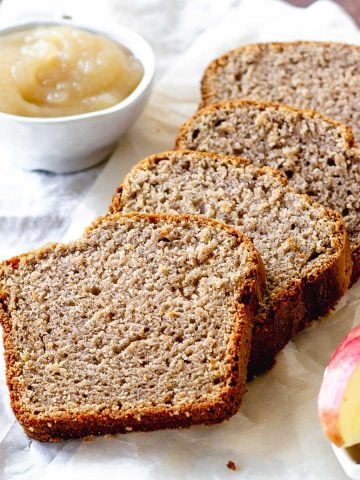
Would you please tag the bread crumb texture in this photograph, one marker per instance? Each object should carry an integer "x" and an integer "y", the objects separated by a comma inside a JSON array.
[
  {"x": 303, "y": 245},
  {"x": 142, "y": 313},
  {"x": 291, "y": 233},
  {"x": 314, "y": 153},
  {"x": 311, "y": 75}
]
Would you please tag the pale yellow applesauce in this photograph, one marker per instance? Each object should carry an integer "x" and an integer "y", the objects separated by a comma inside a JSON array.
[{"x": 61, "y": 70}]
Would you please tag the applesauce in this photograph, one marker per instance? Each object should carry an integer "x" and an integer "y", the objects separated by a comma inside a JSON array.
[{"x": 55, "y": 71}]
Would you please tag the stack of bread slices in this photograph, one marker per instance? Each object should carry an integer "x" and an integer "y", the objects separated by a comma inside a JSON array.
[{"x": 212, "y": 258}]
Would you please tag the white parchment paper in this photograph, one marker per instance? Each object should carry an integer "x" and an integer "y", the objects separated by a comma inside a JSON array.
[{"x": 276, "y": 434}]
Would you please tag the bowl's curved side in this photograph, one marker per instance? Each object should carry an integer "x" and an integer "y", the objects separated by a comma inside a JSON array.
[{"x": 75, "y": 142}]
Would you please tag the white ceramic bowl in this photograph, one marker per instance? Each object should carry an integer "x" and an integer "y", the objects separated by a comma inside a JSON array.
[{"x": 75, "y": 142}]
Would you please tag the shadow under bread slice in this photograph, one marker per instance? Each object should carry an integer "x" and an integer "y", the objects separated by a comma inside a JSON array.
[
  {"x": 304, "y": 245},
  {"x": 315, "y": 153},
  {"x": 143, "y": 323}
]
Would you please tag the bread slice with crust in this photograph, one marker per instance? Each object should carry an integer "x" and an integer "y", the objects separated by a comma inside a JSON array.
[
  {"x": 315, "y": 153},
  {"x": 304, "y": 245},
  {"x": 320, "y": 76},
  {"x": 143, "y": 323}
]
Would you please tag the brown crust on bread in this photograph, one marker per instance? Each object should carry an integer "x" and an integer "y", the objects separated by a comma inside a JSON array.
[
  {"x": 355, "y": 252},
  {"x": 230, "y": 105},
  {"x": 304, "y": 299},
  {"x": 206, "y": 89},
  {"x": 66, "y": 425},
  {"x": 261, "y": 105},
  {"x": 116, "y": 205}
]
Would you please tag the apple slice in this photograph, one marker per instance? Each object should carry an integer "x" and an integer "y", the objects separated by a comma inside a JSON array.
[{"x": 339, "y": 397}]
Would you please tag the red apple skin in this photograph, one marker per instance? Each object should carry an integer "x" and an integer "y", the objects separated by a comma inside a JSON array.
[{"x": 336, "y": 376}]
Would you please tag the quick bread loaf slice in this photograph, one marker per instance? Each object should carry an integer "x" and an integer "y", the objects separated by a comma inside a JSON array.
[
  {"x": 143, "y": 323},
  {"x": 319, "y": 76},
  {"x": 315, "y": 153},
  {"x": 304, "y": 246}
]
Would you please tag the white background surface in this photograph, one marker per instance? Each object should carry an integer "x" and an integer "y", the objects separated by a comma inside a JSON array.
[{"x": 276, "y": 434}]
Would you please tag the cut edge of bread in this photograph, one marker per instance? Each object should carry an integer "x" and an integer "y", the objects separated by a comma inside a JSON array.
[
  {"x": 115, "y": 205},
  {"x": 346, "y": 131},
  {"x": 261, "y": 105},
  {"x": 310, "y": 297},
  {"x": 205, "y": 84},
  {"x": 57, "y": 427}
]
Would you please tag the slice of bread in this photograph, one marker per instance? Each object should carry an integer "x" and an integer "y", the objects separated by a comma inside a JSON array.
[
  {"x": 304, "y": 245},
  {"x": 143, "y": 323},
  {"x": 315, "y": 153},
  {"x": 311, "y": 75}
]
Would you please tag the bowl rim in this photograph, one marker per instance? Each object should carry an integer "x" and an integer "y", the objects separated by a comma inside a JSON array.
[{"x": 112, "y": 31}]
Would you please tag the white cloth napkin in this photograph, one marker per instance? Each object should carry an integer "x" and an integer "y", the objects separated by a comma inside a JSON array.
[{"x": 276, "y": 434}]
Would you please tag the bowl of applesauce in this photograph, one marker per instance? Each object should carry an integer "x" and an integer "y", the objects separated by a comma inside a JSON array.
[{"x": 69, "y": 91}]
